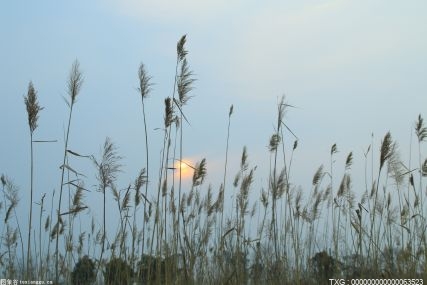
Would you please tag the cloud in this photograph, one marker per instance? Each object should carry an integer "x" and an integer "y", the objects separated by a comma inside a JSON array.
[
  {"x": 285, "y": 44},
  {"x": 165, "y": 11},
  {"x": 260, "y": 51}
]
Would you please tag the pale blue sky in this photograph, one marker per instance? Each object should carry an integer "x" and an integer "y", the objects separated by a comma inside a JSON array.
[{"x": 351, "y": 68}]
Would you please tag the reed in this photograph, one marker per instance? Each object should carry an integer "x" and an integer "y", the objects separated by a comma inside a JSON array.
[
  {"x": 33, "y": 109},
  {"x": 108, "y": 168},
  {"x": 274, "y": 232},
  {"x": 144, "y": 90},
  {"x": 74, "y": 85}
]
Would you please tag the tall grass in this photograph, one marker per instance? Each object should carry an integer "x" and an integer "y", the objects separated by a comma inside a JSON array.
[
  {"x": 144, "y": 90},
  {"x": 75, "y": 82},
  {"x": 33, "y": 109},
  {"x": 223, "y": 185},
  {"x": 278, "y": 234},
  {"x": 107, "y": 169}
]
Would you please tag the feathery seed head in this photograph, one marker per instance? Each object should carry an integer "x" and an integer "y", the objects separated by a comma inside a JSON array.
[
  {"x": 274, "y": 142},
  {"x": 420, "y": 129},
  {"x": 424, "y": 168},
  {"x": 281, "y": 184},
  {"x": 349, "y": 160},
  {"x": 126, "y": 199},
  {"x": 386, "y": 149},
  {"x": 180, "y": 48},
  {"x": 295, "y": 145},
  {"x": 318, "y": 175},
  {"x": 199, "y": 173},
  {"x": 334, "y": 149},
  {"x": 236, "y": 180},
  {"x": 78, "y": 196},
  {"x": 33, "y": 107},
  {"x": 109, "y": 166},
  {"x": 47, "y": 224},
  {"x": 342, "y": 189},
  {"x": 244, "y": 192},
  {"x": 184, "y": 82},
  {"x": 231, "y": 111},
  {"x": 394, "y": 165},
  {"x": 169, "y": 118},
  {"x": 11, "y": 195},
  {"x": 144, "y": 81},
  {"x": 140, "y": 180},
  {"x": 75, "y": 81},
  {"x": 244, "y": 160}
]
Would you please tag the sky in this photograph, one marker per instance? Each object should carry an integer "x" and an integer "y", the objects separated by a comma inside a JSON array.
[{"x": 350, "y": 68}]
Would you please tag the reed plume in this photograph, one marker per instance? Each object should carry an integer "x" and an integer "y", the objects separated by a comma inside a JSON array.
[
  {"x": 386, "y": 152},
  {"x": 420, "y": 129},
  {"x": 169, "y": 114},
  {"x": 33, "y": 109},
  {"x": 74, "y": 84},
  {"x": 318, "y": 175},
  {"x": 108, "y": 168},
  {"x": 185, "y": 82},
  {"x": 144, "y": 90},
  {"x": 199, "y": 173},
  {"x": 386, "y": 149},
  {"x": 349, "y": 160},
  {"x": 180, "y": 47}
]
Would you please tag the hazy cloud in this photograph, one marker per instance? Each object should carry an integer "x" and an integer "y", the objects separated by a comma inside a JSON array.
[{"x": 166, "y": 11}]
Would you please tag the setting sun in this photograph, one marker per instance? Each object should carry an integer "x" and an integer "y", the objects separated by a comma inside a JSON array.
[{"x": 186, "y": 168}]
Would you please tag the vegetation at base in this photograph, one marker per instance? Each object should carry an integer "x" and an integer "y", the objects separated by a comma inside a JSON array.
[
  {"x": 117, "y": 271},
  {"x": 84, "y": 272},
  {"x": 169, "y": 233}
]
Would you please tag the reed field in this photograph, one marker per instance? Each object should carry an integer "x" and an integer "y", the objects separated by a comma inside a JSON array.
[{"x": 172, "y": 231}]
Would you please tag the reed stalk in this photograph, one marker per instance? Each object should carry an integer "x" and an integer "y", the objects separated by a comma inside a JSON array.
[
  {"x": 75, "y": 82},
  {"x": 33, "y": 109}
]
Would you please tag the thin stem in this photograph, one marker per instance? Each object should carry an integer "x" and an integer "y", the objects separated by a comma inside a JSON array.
[
  {"x": 31, "y": 207},
  {"x": 225, "y": 170},
  {"x": 60, "y": 194}
]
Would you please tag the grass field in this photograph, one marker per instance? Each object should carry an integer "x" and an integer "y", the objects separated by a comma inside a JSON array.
[{"x": 172, "y": 233}]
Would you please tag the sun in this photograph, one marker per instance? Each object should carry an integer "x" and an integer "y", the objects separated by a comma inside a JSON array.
[{"x": 185, "y": 167}]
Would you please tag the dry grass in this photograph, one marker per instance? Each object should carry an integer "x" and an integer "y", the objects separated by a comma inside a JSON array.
[{"x": 286, "y": 235}]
